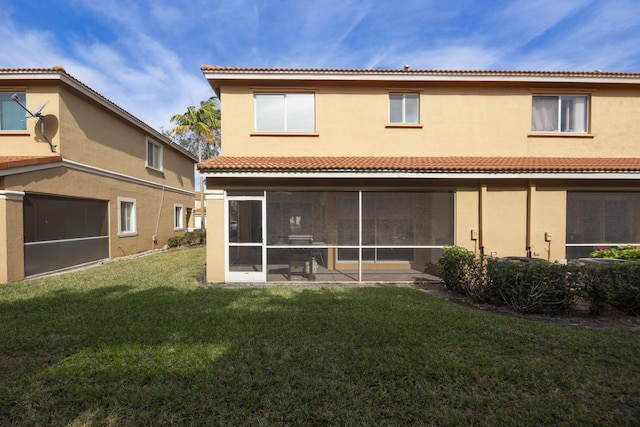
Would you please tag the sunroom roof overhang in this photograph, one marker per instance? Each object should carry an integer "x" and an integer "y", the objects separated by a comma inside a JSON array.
[{"x": 422, "y": 167}]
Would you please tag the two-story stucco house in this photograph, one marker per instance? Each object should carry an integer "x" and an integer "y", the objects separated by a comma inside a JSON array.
[
  {"x": 81, "y": 179},
  {"x": 368, "y": 174}
]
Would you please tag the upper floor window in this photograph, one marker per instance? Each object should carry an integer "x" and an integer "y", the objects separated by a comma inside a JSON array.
[
  {"x": 285, "y": 112},
  {"x": 403, "y": 108},
  {"x": 12, "y": 116},
  {"x": 560, "y": 113},
  {"x": 154, "y": 155}
]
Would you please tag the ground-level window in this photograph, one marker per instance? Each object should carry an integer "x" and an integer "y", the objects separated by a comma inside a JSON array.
[
  {"x": 560, "y": 113},
  {"x": 598, "y": 220},
  {"x": 12, "y": 116},
  {"x": 126, "y": 217},
  {"x": 178, "y": 217},
  {"x": 60, "y": 232}
]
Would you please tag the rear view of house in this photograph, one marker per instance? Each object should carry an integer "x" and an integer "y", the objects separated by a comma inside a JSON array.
[
  {"x": 368, "y": 174},
  {"x": 80, "y": 178}
]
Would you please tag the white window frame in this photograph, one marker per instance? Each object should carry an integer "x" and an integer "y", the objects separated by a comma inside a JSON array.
[
  {"x": 154, "y": 146},
  {"x": 178, "y": 217},
  {"x": 6, "y": 99},
  {"x": 558, "y": 123},
  {"x": 133, "y": 229},
  {"x": 404, "y": 120},
  {"x": 287, "y": 113}
]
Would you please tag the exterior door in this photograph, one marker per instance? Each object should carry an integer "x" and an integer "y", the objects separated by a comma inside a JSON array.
[{"x": 246, "y": 250}]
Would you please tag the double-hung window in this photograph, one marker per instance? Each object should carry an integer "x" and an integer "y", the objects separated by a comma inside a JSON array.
[
  {"x": 12, "y": 116},
  {"x": 403, "y": 108},
  {"x": 560, "y": 113},
  {"x": 154, "y": 155},
  {"x": 127, "y": 217},
  {"x": 285, "y": 112}
]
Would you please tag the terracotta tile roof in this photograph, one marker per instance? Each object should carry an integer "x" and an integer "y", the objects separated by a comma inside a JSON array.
[
  {"x": 420, "y": 164},
  {"x": 497, "y": 73},
  {"x": 8, "y": 162}
]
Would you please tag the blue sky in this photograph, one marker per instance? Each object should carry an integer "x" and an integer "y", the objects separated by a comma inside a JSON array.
[{"x": 146, "y": 55}]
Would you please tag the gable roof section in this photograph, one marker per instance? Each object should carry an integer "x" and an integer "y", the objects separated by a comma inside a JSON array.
[
  {"x": 229, "y": 166},
  {"x": 58, "y": 73}
]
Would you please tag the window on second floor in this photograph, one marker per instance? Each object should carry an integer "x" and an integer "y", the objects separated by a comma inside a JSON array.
[
  {"x": 560, "y": 113},
  {"x": 154, "y": 155},
  {"x": 285, "y": 112},
  {"x": 404, "y": 108},
  {"x": 12, "y": 116}
]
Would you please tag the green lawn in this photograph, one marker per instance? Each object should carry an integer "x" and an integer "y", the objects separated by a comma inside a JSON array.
[{"x": 139, "y": 342}]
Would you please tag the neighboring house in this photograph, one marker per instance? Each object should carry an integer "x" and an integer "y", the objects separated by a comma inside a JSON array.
[
  {"x": 83, "y": 180},
  {"x": 370, "y": 173},
  {"x": 195, "y": 218}
]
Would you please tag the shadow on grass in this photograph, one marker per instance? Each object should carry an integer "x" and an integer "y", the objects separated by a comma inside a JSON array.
[{"x": 124, "y": 355}]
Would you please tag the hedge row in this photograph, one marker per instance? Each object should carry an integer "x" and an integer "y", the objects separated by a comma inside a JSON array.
[
  {"x": 539, "y": 286},
  {"x": 189, "y": 238}
]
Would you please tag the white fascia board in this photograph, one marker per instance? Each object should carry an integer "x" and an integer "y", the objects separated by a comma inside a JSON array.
[
  {"x": 17, "y": 196},
  {"x": 411, "y": 77},
  {"x": 95, "y": 171},
  {"x": 122, "y": 177},
  {"x": 428, "y": 175},
  {"x": 30, "y": 168}
]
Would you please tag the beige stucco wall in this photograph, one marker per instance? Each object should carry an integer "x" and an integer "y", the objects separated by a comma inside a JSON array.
[
  {"x": 11, "y": 238},
  {"x": 467, "y": 120},
  {"x": 92, "y": 135},
  {"x": 31, "y": 142},
  {"x": 548, "y": 222},
  {"x": 215, "y": 237}
]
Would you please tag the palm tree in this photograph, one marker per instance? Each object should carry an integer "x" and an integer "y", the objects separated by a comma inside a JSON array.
[
  {"x": 198, "y": 126},
  {"x": 195, "y": 127}
]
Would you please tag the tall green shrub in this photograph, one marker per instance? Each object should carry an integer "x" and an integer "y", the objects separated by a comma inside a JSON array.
[
  {"x": 530, "y": 286},
  {"x": 454, "y": 266}
]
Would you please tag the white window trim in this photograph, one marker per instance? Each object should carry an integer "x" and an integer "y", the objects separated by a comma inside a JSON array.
[
  {"x": 134, "y": 218},
  {"x": 160, "y": 157},
  {"x": 9, "y": 92},
  {"x": 286, "y": 130},
  {"x": 404, "y": 106},
  {"x": 559, "y": 96},
  {"x": 178, "y": 220}
]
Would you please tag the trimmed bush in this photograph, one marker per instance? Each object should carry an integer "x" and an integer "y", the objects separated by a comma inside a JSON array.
[
  {"x": 188, "y": 239},
  {"x": 454, "y": 267},
  {"x": 529, "y": 287}
]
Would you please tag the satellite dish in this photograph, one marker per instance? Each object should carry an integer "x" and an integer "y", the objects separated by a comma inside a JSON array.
[{"x": 37, "y": 113}]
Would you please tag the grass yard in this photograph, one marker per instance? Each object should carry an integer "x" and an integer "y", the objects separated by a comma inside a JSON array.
[{"x": 139, "y": 342}]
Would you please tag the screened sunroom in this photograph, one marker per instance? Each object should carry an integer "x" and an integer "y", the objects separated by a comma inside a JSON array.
[
  {"x": 336, "y": 235},
  {"x": 601, "y": 220}
]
